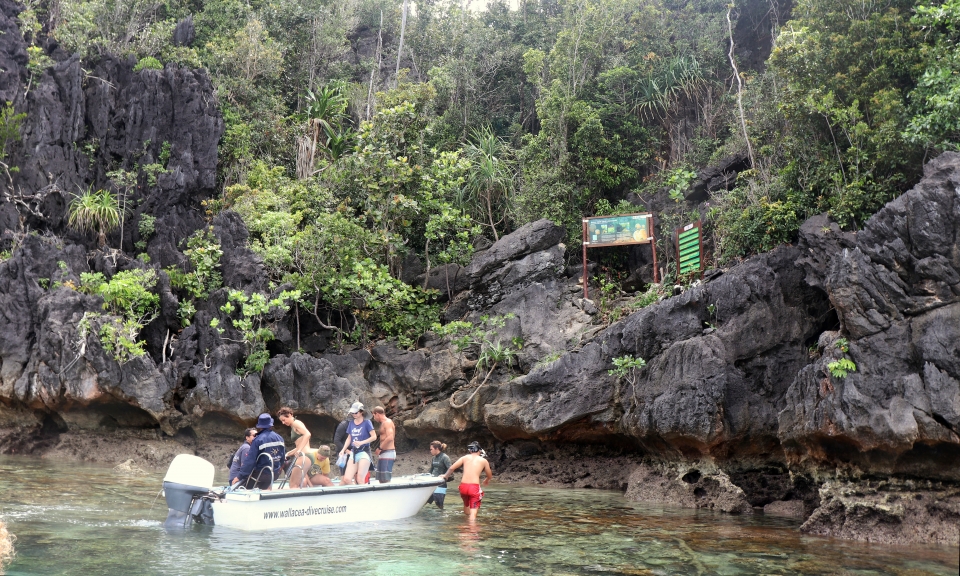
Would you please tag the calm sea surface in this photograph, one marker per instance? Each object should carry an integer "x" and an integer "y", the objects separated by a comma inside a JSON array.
[{"x": 76, "y": 519}]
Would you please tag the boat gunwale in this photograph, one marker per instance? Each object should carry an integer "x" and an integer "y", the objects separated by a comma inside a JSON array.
[{"x": 334, "y": 490}]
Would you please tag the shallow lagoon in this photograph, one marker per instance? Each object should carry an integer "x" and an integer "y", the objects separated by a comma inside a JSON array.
[{"x": 75, "y": 519}]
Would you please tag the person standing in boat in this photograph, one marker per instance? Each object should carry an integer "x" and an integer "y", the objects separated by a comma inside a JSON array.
[
  {"x": 301, "y": 447},
  {"x": 255, "y": 470},
  {"x": 241, "y": 454},
  {"x": 387, "y": 451},
  {"x": 360, "y": 435},
  {"x": 473, "y": 465},
  {"x": 439, "y": 465}
]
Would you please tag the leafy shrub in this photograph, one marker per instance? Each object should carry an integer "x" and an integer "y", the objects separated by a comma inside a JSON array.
[
  {"x": 744, "y": 224},
  {"x": 609, "y": 292},
  {"x": 138, "y": 27},
  {"x": 604, "y": 208},
  {"x": 148, "y": 63},
  {"x": 203, "y": 251},
  {"x": 678, "y": 180},
  {"x": 627, "y": 367},
  {"x": 37, "y": 61},
  {"x": 254, "y": 324},
  {"x": 841, "y": 367},
  {"x": 465, "y": 335},
  {"x": 153, "y": 171},
  {"x": 127, "y": 294},
  {"x": 146, "y": 227},
  {"x": 842, "y": 345},
  {"x": 653, "y": 294},
  {"x": 130, "y": 304}
]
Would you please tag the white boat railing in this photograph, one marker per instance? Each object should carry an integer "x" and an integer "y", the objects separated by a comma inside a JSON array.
[{"x": 259, "y": 476}]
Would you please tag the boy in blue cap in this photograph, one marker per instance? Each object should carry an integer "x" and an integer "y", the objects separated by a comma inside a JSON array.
[{"x": 256, "y": 464}]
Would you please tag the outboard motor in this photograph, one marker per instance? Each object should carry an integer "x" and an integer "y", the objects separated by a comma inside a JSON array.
[{"x": 188, "y": 478}]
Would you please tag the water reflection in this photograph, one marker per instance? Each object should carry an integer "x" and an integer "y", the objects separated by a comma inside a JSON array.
[{"x": 75, "y": 519}]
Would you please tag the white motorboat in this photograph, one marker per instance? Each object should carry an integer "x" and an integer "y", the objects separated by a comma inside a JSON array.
[{"x": 190, "y": 495}]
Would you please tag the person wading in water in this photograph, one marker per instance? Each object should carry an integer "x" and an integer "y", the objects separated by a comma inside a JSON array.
[{"x": 473, "y": 465}]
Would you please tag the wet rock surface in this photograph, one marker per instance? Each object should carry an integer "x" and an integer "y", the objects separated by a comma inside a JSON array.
[
  {"x": 691, "y": 485},
  {"x": 887, "y": 512}
]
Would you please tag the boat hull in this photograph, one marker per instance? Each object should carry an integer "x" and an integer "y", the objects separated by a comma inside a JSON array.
[{"x": 256, "y": 510}]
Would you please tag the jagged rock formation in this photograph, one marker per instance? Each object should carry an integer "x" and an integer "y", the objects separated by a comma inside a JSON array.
[
  {"x": 736, "y": 406},
  {"x": 896, "y": 289}
]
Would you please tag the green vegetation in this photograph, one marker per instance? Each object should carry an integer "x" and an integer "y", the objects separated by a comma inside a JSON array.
[
  {"x": 95, "y": 211},
  {"x": 653, "y": 294},
  {"x": 483, "y": 337},
  {"x": 10, "y": 123},
  {"x": 678, "y": 180},
  {"x": 841, "y": 367},
  {"x": 130, "y": 305},
  {"x": 558, "y": 109},
  {"x": 146, "y": 227},
  {"x": 465, "y": 335},
  {"x": 609, "y": 292},
  {"x": 627, "y": 368},
  {"x": 148, "y": 63},
  {"x": 253, "y": 321},
  {"x": 203, "y": 277},
  {"x": 548, "y": 359}
]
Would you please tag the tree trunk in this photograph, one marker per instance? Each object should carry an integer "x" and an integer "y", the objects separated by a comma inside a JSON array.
[
  {"x": 376, "y": 69},
  {"x": 403, "y": 28}
]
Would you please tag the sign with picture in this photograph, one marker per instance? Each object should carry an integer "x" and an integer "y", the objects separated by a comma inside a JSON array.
[{"x": 618, "y": 230}]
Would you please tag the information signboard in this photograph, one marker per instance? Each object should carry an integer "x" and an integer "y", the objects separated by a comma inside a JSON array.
[
  {"x": 689, "y": 248},
  {"x": 619, "y": 230}
]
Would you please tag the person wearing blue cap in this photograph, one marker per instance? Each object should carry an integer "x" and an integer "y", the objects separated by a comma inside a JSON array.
[{"x": 266, "y": 450}]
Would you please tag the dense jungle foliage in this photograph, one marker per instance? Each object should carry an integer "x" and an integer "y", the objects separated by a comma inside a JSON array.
[{"x": 361, "y": 131}]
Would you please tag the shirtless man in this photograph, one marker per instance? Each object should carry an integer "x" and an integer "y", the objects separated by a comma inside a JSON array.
[
  {"x": 473, "y": 464},
  {"x": 388, "y": 449}
]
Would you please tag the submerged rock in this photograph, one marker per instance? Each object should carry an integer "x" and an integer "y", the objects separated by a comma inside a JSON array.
[
  {"x": 888, "y": 512},
  {"x": 129, "y": 468},
  {"x": 693, "y": 485}
]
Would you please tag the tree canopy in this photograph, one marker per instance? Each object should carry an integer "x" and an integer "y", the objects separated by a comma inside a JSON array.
[{"x": 347, "y": 150}]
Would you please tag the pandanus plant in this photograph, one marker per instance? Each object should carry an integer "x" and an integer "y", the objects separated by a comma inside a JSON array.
[
  {"x": 661, "y": 92},
  {"x": 491, "y": 179},
  {"x": 326, "y": 112},
  {"x": 95, "y": 212}
]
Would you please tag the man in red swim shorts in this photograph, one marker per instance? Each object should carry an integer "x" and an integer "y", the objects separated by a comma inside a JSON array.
[{"x": 473, "y": 465}]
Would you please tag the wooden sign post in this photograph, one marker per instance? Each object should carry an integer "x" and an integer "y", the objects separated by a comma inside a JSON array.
[
  {"x": 689, "y": 241},
  {"x": 621, "y": 230}
]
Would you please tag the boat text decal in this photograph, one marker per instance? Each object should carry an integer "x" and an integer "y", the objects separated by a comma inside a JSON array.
[{"x": 308, "y": 511}]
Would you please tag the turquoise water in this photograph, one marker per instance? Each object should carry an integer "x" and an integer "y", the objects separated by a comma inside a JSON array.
[{"x": 75, "y": 519}]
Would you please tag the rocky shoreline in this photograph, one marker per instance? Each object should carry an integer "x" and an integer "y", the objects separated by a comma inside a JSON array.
[{"x": 879, "y": 510}]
